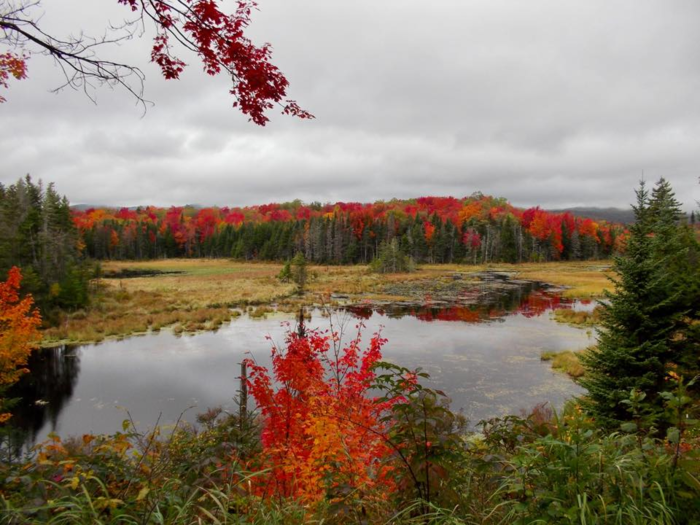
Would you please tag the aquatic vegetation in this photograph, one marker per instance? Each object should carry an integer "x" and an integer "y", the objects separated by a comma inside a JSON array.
[
  {"x": 567, "y": 362},
  {"x": 177, "y": 289},
  {"x": 578, "y": 317}
]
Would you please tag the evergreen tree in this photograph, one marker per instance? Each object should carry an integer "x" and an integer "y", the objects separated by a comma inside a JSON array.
[
  {"x": 37, "y": 234},
  {"x": 391, "y": 259},
  {"x": 675, "y": 247},
  {"x": 285, "y": 274},
  {"x": 299, "y": 271},
  {"x": 638, "y": 320}
]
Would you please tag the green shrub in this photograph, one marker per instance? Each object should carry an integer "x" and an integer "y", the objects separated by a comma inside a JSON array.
[{"x": 391, "y": 259}]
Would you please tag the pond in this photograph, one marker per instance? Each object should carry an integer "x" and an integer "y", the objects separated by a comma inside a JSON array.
[{"x": 483, "y": 349}]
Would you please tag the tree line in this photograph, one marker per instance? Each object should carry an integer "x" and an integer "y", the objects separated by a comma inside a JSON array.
[
  {"x": 38, "y": 234},
  {"x": 475, "y": 229}
]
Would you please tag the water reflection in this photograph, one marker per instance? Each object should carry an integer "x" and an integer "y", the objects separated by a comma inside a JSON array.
[
  {"x": 44, "y": 392},
  {"x": 483, "y": 349},
  {"x": 479, "y": 307}
]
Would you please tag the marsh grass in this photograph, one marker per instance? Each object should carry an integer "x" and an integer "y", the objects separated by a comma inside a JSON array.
[
  {"x": 119, "y": 313},
  {"x": 199, "y": 294},
  {"x": 582, "y": 279},
  {"x": 567, "y": 362},
  {"x": 260, "y": 311},
  {"x": 578, "y": 317}
]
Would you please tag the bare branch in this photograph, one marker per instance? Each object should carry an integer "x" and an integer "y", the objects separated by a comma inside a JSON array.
[{"x": 76, "y": 56}]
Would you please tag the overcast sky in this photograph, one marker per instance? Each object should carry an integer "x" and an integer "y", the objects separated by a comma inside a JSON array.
[{"x": 555, "y": 103}]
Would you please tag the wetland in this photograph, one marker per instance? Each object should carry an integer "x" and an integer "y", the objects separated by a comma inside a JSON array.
[{"x": 478, "y": 332}]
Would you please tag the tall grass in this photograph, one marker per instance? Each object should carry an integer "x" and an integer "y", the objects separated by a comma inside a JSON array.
[{"x": 566, "y": 361}]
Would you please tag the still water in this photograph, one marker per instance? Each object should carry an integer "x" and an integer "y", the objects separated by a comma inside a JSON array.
[{"x": 484, "y": 353}]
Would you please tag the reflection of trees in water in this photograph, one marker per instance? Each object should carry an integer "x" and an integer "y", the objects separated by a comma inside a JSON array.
[
  {"x": 44, "y": 391},
  {"x": 480, "y": 304}
]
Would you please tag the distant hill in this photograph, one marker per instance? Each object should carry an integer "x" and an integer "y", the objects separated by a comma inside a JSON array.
[
  {"x": 83, "y": 207},
  {"x": 615, "y": 215}
]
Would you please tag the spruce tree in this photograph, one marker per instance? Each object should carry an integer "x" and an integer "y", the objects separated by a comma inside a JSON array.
[
  {"x": 37, "y": 234},
  {"x": 391, "y": 259},
  {"x": 638, "y": 320},
  {"x": 675, "y": 248},
  {"x": 299, "y": 271}
]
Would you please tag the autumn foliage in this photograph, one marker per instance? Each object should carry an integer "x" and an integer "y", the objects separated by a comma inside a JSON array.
[
  {"x": 19, "y": 332},
  {"x": 322, "y": 432},
  {"x": 198, "y": 27},
  {"x": 11, "y": 65},
  {"x": 472, "y": 229},
  {"x": 220, "y": 42}
]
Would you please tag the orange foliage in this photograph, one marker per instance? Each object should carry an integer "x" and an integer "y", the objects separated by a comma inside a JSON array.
[
  {"x": 589, "y": 228},
  {"x": 429, "y": 229},
  {"x": 470, "y": 211},
  {"x": 19, "y": 331},
  {"x": 321, "y": 429}
]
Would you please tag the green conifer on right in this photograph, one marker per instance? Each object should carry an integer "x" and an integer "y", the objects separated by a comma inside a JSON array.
[{"x": 646, "y": 320}]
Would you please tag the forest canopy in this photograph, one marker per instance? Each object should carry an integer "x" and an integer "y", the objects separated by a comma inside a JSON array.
[{"x": 476, "y": 229}]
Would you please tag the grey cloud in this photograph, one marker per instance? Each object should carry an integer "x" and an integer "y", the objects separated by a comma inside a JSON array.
[{"x": 549, "y": 102}]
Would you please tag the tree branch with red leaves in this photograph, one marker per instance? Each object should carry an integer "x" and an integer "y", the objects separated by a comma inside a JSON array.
[{"x": 196, "y": 27}]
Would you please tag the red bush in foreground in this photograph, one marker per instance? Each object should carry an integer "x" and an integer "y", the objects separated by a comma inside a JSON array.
[{"x": 322, "y": 434}]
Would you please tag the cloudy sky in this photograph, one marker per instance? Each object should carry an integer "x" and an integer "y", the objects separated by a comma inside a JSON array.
[{"x": 545, "y": 102}]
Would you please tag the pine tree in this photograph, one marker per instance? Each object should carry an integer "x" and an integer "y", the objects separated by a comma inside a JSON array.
[
  {"x": 391, "y": 259},
  {"x": 638, "y": 321},
  {"x": 676, "y": 249},
  {"x": 37, "y": 234},
  {"x": 299, "y": 271},
  {"x": 285, "y": 274}
]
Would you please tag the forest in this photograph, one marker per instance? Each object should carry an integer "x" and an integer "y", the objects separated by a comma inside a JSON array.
[
  {"x": 38, "y": 235},
  {"x": 476, "y": 229}
]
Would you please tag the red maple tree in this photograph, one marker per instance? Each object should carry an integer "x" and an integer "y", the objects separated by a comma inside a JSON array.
[
  {"x": 198, "y": 27},
  {"x": 19, "y": 332},
  {"x": 321, "y": 428}
]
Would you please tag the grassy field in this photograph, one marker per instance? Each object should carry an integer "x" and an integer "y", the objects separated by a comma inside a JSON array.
[{"x": 199, "y": 294}]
